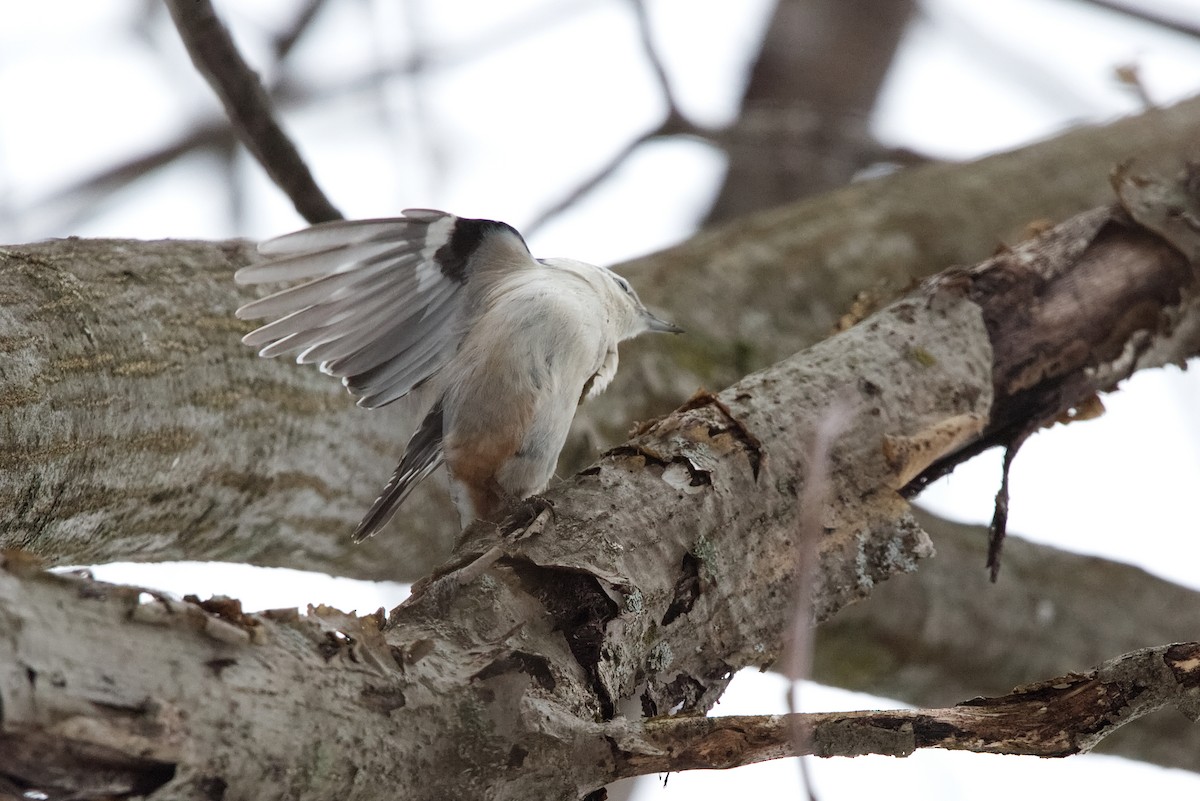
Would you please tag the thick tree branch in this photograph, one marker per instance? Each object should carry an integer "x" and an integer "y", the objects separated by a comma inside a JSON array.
[
  {"x": 138, "y": 426},
  {"x": 216, "y": 57},
  {"x": 517, "y": 661},
  {"x": 1058, "y": 717}
]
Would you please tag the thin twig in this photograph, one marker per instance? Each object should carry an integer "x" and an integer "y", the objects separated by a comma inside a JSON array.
[
  {"x": 675, "y": 123},
  {"x": 1150, "y": 16},
  {"x": 796, "y": 661},
  {"x": 217, "y": 58},
  {"x": 646, "y": 38},
  {"x": 597, "y": 178},
  {"x": 287, "y": 39}
]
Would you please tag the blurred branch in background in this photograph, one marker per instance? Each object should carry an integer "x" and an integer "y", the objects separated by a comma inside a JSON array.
[
  {"x": 674, "y": 123},
  {"x": 803, "y": 125},
  {"x": 804, "y": 122},
  {"x": 1153, "y": 16},
  {"x": 247, "y": 105}
]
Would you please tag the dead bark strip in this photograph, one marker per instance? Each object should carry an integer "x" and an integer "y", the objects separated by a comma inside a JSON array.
[
  {"x": 1058, "y": 717},
  {"x": 660, "y": 570}
]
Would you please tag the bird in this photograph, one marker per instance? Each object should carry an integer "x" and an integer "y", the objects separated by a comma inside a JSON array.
[{"x": 506, "y": 346}]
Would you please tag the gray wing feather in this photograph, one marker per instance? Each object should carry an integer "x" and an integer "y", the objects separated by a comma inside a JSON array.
[
  {"x": 382, "y": 301},
  {"x": 381, "y": 389},
  {"x": 339, "y": 233}
]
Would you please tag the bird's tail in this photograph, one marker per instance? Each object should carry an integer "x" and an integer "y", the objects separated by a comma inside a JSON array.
[{"x": 422, "y": 456}]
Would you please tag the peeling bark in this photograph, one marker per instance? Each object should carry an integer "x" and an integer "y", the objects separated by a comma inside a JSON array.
[
  {"x": 1058, "y": 717},
  {"x": 944, "y": 632}
]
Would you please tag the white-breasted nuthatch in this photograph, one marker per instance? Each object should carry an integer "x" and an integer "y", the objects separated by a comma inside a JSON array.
[{"x": 508, "y": 344}]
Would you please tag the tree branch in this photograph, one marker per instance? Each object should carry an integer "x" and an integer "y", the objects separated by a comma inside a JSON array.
[
  {"x": 857, "y": 247},
  {"x": 1149, "y": 15},
  {"x": 1058, "y": 717},
  {"x": 249, "y": 108},
  {"x": 138, "y": 426},
  {"x": 944, "y": 633},
  {"x": 804, "y": 122}
]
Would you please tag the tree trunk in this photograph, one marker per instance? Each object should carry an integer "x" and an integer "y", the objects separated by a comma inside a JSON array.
[{"x": 804, "y": 125}]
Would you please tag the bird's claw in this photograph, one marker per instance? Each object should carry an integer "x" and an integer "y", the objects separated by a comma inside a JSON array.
[{"x": 522, "y": 512}]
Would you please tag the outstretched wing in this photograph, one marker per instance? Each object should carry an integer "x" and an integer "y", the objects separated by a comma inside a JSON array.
[
  {"x": 422, "y": 456},
  {"x": 383, "y": 301}
]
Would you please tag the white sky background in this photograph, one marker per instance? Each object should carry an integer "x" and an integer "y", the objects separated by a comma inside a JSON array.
[{"x": 514, "y": 122}]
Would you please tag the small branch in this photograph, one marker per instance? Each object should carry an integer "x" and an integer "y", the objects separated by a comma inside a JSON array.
[
  {"x": 675, "y": 123},
  {"x": 217, "y": 58},
  {"x": 1056, "y": 718},
  {"x": 1150, "y": 16},
  {"x": 646, "y": 38},
  {"x": 597, "y": 178},
  {"x": 290, "y": 37}
]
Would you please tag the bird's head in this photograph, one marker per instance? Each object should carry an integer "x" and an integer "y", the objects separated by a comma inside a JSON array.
[{"x": 629, "y": 314}]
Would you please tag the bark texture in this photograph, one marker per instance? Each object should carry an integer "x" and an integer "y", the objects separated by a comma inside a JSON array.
[
  {"x": 137, "y": 426},
  {"x": 517, "y": 668},
  {"x": 1057, "y": 717},
  {"x": 752, "y": 291}
]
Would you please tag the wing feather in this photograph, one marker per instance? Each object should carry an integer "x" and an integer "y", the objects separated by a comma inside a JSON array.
[
  {"x": 421, "y": 457},
  {"x": 382, "y": 302}
]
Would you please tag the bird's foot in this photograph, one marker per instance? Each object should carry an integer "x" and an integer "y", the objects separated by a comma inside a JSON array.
[{"x": 520, "y": 513}]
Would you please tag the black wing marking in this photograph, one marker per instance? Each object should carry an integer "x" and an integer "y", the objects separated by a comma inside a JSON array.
[
  {"x": 383, "y": 301},
  {"x": 421, "y": 457}
]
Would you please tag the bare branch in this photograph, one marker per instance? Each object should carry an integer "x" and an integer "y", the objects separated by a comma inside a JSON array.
[
  {"x": 675, "y": 123},
  {"x": 918, "y": 639},
  {"x": 249, "y": 108},
  {"x": 646, "y": 39},
  {"x": 80, "y": 200},
  {"x": 1149, "y": 15},
  {"x": 301, "y": 24},
  {"x": 1055, "y": 718},
  {"x": 601, "y": 175}
]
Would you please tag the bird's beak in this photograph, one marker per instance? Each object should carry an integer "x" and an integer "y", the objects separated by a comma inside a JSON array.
[{"x": 658, "y": 324}]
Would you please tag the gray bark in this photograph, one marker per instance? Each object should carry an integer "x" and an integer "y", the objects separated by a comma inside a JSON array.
[
  {"x": 138, "y": 427},
  {"x": 657, "y": 573}
]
